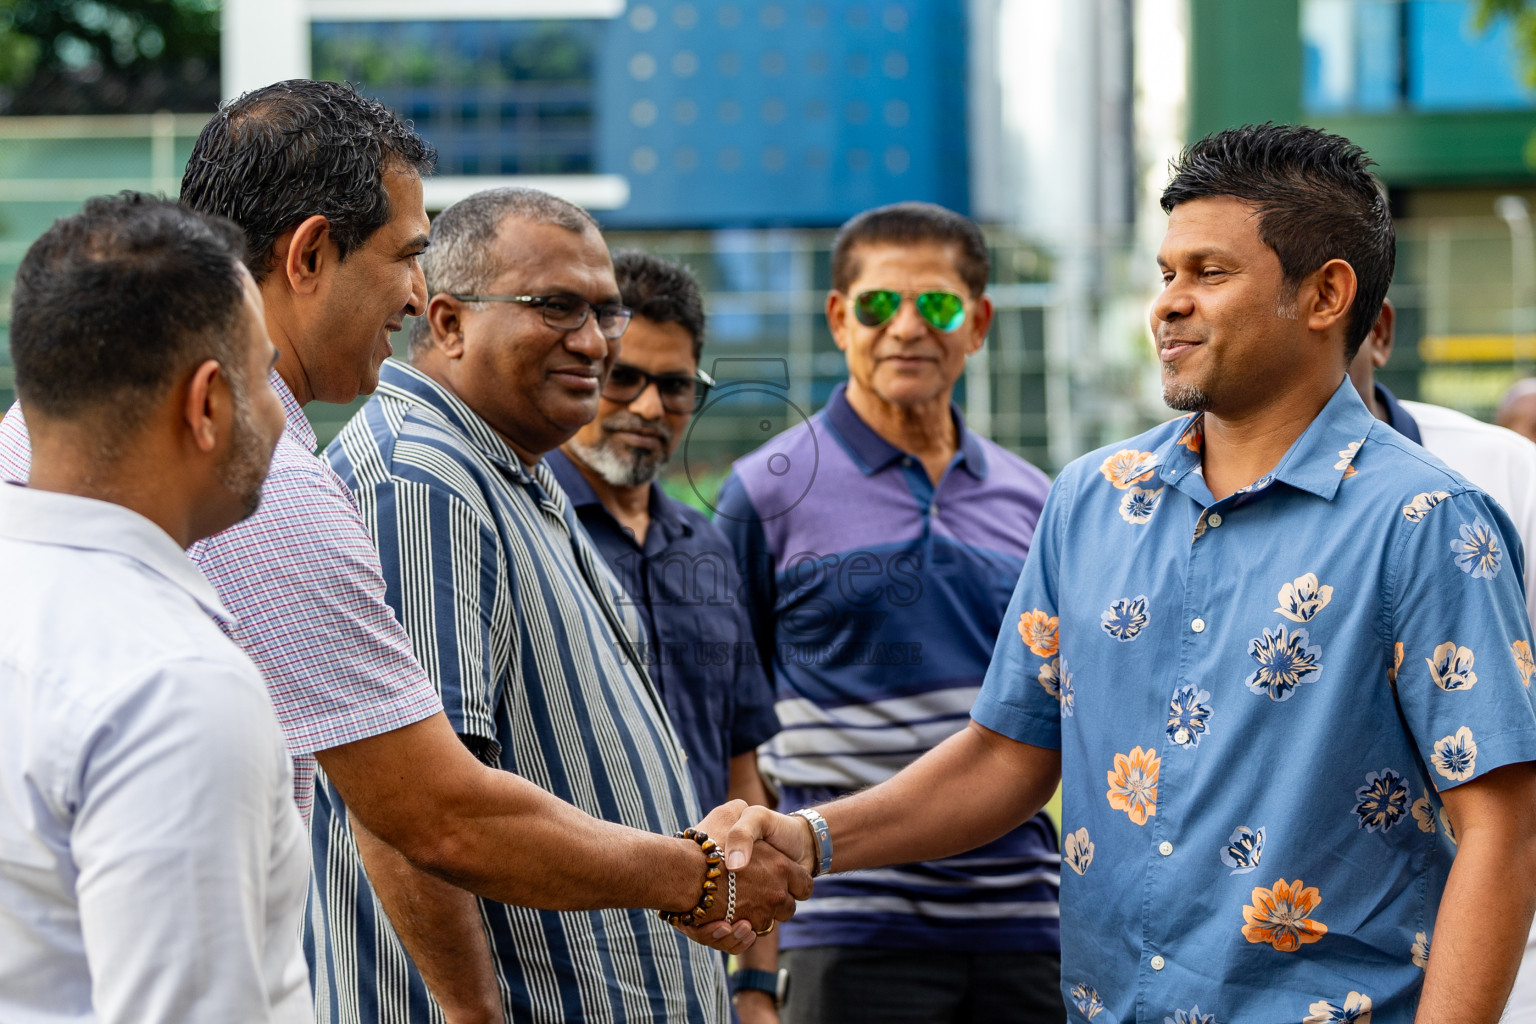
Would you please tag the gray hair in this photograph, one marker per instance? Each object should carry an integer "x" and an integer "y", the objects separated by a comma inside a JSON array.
[{"x": 460, "y": 259}]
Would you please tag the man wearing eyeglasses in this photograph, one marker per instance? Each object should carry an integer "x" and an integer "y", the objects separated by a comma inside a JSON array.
[
  {"x": 879, "y": 595},
  {"x": 676, "y": 566},
  {"x": 522, "y": 628}
]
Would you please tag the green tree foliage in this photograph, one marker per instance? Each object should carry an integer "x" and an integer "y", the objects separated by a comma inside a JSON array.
[
  {"x": 411, "y": 54},
  {"x": 108, "y": 56},
  {"x": 1521, "y": 15}
]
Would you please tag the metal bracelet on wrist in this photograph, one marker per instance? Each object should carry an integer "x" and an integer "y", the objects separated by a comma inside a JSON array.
[
  {"x": 821, "y": 840},
  {"x": 730, "y": 897}
]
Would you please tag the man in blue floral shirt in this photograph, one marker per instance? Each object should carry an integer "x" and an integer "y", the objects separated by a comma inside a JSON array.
[{"x": 1278, "y": 654}]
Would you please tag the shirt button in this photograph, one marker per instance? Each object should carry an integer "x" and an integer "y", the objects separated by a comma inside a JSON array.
[
  {"x": 1158, "y": 963},
  {"x": 907, "y": 461},
  {"x": 1214, "y": 519},
  {"x": 1165, "y": 847},
  {"x": 1181, "y": 736},
  {"x": 1198, "y": 625}
]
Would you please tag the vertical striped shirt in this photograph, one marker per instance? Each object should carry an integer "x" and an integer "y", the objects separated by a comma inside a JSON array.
[{"x": 524, "y": 630}]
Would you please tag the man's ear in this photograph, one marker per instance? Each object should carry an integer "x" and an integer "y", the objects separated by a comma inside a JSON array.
[
  {"x": 837, "y": 318},
  {"x": 1332, "y": 292},
  {"x": 207, "y": 404},
  {"x": 445, "y": 316},
  {"x": 307, "y": 253},
  {"x": 981, "y": 322},
  {"x": 1380, "y": 339}
]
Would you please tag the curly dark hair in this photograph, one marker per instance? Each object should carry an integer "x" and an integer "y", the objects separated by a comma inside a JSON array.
[
  {"x": 280, "y": 154},
  {"x": 661, "y": 291},
  {"x": 111, "y": 305},
  {"x": 1317, "y": 200}
]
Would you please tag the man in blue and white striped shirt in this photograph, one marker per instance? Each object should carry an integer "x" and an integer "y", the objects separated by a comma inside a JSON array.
[
  {"x": 523, "y": 629},
  {"x": 882, "y": 539}
]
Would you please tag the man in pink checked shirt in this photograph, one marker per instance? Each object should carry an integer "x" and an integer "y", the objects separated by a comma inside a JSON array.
[{"x": 327, "y": 187}]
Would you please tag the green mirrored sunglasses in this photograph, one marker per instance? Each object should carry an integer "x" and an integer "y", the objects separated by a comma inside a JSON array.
[{"x": 944, "y": 310}]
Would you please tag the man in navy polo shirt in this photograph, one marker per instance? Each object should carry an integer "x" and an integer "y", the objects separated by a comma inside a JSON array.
[{"x": 877, "y": 595}]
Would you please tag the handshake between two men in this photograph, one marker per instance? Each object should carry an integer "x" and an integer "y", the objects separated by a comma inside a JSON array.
[
  {"x": 759, "y": 868},
  {"x": 967, "y": 791}
]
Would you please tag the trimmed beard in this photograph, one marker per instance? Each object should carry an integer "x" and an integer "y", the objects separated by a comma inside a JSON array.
[
  {"x": 637, "y": 468},
  {"x": 1184, "y": 396}
]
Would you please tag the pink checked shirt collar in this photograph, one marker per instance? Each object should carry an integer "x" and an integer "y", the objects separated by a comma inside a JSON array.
[{"x": 298, "y": 427}]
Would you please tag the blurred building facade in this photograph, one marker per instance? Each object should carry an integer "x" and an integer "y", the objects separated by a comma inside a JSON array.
[
  {"x": 663, "y": 114},
  {"x": 1446, "y": 111},
  {"x": 733, "y": 136},
  {"x": 736, "y": 136}
]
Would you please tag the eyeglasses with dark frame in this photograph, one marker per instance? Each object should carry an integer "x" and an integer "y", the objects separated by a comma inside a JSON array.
[
  {"x": 566, "y": 312},
  {"x": 679, "y": 392}
]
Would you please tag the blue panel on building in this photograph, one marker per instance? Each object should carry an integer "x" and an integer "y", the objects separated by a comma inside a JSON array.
[
  {"x": 787, "y": 112},
  {"x": 1457, "y": 68},
  {"x": 1407, "y": 54}
]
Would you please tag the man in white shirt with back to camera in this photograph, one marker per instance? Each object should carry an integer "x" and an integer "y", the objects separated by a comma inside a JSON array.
[
  {"x": 1502, "y": 463},
  {"x": 152, "y": 862}
]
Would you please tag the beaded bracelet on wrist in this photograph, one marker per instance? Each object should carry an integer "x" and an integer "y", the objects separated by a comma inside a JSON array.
[{"x": 713, "y": 869}]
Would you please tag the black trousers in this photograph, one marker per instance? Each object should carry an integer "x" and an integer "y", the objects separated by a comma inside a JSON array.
[{"x": 865, "y": 985}]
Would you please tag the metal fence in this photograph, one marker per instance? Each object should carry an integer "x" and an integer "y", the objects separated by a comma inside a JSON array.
[{"x": 1466, "y": 300}]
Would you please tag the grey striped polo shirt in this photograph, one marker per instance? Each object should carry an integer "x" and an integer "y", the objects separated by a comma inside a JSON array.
[{"x": 521, "y": 626}]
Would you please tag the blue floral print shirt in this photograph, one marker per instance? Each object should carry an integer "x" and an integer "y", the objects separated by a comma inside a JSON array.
[{"x": 1252, "y": 828}]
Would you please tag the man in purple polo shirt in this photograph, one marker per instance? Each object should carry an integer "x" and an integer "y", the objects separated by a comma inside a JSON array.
[{"x": 877, "y": 593}]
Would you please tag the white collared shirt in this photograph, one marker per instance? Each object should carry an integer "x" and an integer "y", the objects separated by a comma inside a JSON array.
[{"x": 152, "y": 863}]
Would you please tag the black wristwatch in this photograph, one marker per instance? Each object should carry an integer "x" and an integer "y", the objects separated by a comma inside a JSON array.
[{"x": 775, "y": 983}]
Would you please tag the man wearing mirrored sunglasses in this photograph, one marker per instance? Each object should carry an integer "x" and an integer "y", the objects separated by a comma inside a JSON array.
[
  {"x": 879, "y": 595},
  {"x": 676, "y": 565}
]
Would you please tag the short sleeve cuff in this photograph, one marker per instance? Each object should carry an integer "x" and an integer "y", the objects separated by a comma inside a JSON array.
[
  {"x": 1016, "y": 723},
  {"x": 1512, "y": 747},
  {"x": 752, "y": 729}
]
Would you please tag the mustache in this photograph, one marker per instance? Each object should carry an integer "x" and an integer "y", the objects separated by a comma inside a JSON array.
[
  {"x": 1166, "y": 337},
  {"x": 629, "y": 421}
]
